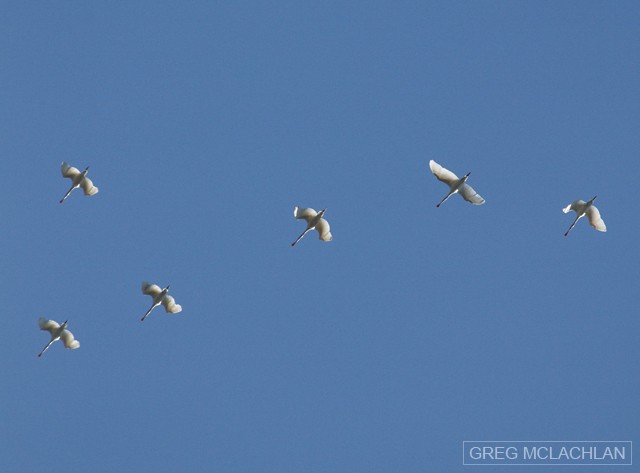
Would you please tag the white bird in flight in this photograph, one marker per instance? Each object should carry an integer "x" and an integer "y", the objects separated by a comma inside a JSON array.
[
  {"x": 314, "y": 220},
  {"x": 160, "y": 296},
  {"x": 582, "y": 208},
  {"x": 78, "y": 179},
  {"x": 455, "y": 184},
  {"x": 57, "y": 332}
]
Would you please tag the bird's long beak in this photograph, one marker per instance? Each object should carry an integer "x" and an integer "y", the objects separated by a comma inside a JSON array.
[
  {"x": 594, "y": 198},
  {"x": 168, "y": 286}
]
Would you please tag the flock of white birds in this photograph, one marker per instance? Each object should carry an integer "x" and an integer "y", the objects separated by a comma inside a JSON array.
[{"x": 315, "y": 221}]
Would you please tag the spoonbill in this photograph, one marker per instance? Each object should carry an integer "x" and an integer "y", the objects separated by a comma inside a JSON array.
[
  {"x": 582, "y": 208},
  {"x": 78, "y": 179},
  {"x": 455, "y": 184},
  {"x": 160, "y": 296},
  {"x": 57, "y": 332},
  {"x": 314, "y": 220}
]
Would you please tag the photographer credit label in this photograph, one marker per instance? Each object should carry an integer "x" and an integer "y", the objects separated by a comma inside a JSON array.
[{"x": 549, "y": 452}]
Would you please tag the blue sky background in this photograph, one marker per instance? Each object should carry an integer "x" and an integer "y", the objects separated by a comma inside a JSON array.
[{"x": 205, "y": 123}]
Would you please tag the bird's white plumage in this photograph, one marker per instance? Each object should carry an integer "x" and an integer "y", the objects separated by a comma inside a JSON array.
[
  {"x": 170, "y": 305},
  {"x": 470, "y": 195},
  {"x": 582, "y": 208},
  {"x": 595, "y": 220},
  {"x": 78, "y": 179},
  {"x": 48, "y": 325},
  {"x": 57, "y": 333},
  {"x": 442, "y": 174},
  {"x": 151, "y": 289},
  {"x": 160, "y": 296},
  {"x": 308, "y": 214},
  {"x": 68, "y": 340},
  {"x": 456, "y": 185},
  {"x": 323, "y": 229},
  {"x": 88, "y": 187},
  {"x": 314, "y": 221},
  {"x": 577, "y": 206},
  {"x": 69, "y": 171}
]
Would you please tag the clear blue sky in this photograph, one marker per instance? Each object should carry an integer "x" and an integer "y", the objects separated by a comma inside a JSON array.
[{"x": 205, "y": 123}]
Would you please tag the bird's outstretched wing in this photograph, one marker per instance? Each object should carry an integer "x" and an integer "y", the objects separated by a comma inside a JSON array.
[
  {"x": 470, "y": 195},
  {"x": 170, "y": 305},
  {"x": 595, "y": 220},
  {"x": 68, "y": 340},
  {"x": 88, "y": 187},
  {"x": 306, "y": 214},
  {"x": 324, "y": 230},
  {"x": 441, "y": 173},
  {"x": 48, "y": 325},
  {"x": 69, "y": 171},
  {"x": 575, "y": 205},
  {"x": 150, "y": 289}
]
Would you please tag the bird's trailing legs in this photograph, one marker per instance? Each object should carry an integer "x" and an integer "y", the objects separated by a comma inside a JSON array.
[
  {"x": 46, "y": 347},
  {"x": 573, "y": 224},
  {"x": 446, "y": 197},
  {"x": 300, "y": 237},
  {"x": 67, "y": 194},
  {"x": 149, "y": 311}
]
